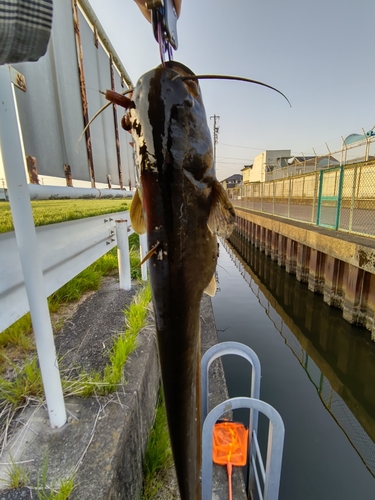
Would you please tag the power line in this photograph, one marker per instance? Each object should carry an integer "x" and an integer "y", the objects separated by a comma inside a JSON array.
[
  {"x": 230, "y": 158},
  {"x": 243, "y": 147}
]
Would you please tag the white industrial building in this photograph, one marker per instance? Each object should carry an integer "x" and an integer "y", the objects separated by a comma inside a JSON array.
[{"x": 264, "y": 163}]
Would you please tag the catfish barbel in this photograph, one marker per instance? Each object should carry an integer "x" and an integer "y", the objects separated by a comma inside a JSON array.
[{"x": 182, "y": 207}]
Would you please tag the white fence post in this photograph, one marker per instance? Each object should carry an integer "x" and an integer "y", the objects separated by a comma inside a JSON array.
[
  {"x": 14, "y": 166},
  {"x": 123, "y": 254},
  {"x": 143, "y": 250}
]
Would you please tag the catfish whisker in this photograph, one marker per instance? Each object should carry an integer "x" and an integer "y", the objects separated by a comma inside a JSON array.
[{"x": 229, "y": 77}]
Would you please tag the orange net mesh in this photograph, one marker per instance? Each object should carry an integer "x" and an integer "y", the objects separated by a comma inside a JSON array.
[{"x": 230, "y": 441}]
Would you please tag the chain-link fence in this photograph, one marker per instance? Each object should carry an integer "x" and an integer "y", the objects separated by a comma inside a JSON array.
[{"x": 342, "y": 197}]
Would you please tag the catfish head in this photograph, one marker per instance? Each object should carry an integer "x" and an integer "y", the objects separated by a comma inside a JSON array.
[{"x": 169, "y": 126}]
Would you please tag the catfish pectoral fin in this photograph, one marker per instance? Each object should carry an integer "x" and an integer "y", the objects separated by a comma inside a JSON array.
[
  {"x": 211, "y": 287},
  {"x": 136, "y": 214},
  {"x": 222, "y": 215}
]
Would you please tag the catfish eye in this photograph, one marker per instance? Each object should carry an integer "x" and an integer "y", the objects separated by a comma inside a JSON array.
[{"x": 125, "y": 122}]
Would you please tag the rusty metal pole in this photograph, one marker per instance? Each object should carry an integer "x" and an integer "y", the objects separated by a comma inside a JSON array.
[
  {"x": 68, "y": 175},
  {"x": 82, "y": 82},
  {"x": 32, "y": 169},
  {"x": 119, "y": 166}
]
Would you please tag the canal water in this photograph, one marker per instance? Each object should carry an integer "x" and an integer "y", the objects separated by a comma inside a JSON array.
[{"x": 318, "y": 371}]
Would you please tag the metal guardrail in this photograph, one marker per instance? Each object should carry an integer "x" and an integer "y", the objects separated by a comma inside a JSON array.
[
  {"x": 38, "y": 192},
  {"x": 65, "y": 249}
]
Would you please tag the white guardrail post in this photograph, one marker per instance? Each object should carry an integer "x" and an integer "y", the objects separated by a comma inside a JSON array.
[
  {"x": 143, "y": 250},
  {"x": 123, "y": 254},
  {"x": 14, "y": 165}
]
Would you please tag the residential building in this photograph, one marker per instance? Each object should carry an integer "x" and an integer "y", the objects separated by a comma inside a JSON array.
[
  {"x": 246, "y": 174},
  {"x": 266, "y": 162},
  {"x": 233, "y": 181}
]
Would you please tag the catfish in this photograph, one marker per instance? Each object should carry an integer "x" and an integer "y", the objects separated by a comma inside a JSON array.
[{"x": 182, "y": 207}]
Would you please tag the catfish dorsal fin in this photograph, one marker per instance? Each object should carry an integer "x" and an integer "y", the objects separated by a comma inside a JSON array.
[
  {"x": 136, "y": 214},
  {"x": 211, "y": 287},
  {"x": 222, "y": 215}
]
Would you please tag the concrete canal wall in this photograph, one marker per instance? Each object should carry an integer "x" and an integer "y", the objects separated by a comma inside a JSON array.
[
  {"x": 338, "y": 363},
  {"x": 339, "y": 266}
]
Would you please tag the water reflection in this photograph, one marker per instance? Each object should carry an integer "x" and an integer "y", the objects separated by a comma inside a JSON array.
[{"x": 337, "y": 357}]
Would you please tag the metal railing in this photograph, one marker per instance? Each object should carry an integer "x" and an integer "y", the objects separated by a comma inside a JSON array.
[
  {"x": 344, "y": 196},
  {"x": 65, "y": 249},
  {"x": 266, "y": 478},
  {"x": 61, "y": 93},
  {"x": 355, "y": 148}
]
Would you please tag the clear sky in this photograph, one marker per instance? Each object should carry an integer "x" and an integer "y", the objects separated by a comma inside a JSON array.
[{"x": 320, "y": 53}]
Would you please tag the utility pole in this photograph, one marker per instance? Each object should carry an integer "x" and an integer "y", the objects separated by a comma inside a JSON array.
[{"x": 215, "y": 134}]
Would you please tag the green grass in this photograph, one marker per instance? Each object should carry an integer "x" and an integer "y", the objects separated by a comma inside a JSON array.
[
  {"x": 136, "y": 315},
  {"x": 17, "y": 475},
  {"x": 95, "y": 383},
  {"x": 52, "y": 211},
  {"x": 26, "y": 383},
  {"x": 17, "y": 333},
  {"x": 62, "y": 492},
  {"x": 18, "y": 348},
  {"x": 158, "y": 455}
]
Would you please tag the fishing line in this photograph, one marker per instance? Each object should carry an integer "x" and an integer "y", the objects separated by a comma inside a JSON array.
[{"x": 228, "y": 77}]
